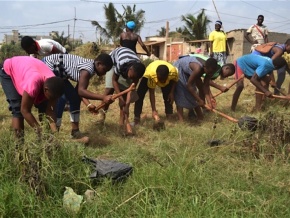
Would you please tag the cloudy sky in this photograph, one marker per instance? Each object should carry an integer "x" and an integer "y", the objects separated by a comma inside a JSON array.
[{"x": 41, "y": 17}]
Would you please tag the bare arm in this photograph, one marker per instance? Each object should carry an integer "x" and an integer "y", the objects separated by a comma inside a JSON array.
[
  {"x": 278, "y": 52},
  {"x": 51, "y": 114},
  {"x": 26, "y": 106},
  {"x": 266, "y": 39},
  {"x": 171, "y": 94},
  {"x": 255, "y": 80},
  {"x": 217, "y": 86},
  {"x": 249, "y": 38},
  {"x": 207, "y": 92},
  {"x": 194, "y": 78},
  {"x": 85, "y": 93},
  {"x": 143, "y": 45},
  {"x": 152, "y": 100}
]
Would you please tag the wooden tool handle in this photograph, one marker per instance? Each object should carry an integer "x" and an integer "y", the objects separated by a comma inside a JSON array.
[
  {"x": 275, "y": 96},
  {"x": 231, "y": 85},
  {"x": 115, "y": 96},
  {"x": 279, "y": 90},
  {"x": 222, "y": 114}
]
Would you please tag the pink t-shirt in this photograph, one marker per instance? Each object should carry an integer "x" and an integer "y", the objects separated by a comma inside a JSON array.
[{"x": 28, "y": 74}]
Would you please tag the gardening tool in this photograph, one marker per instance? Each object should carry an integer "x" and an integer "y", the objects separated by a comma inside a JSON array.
[
  {"x": 279, "y": 90},
  {"x": 230, "y": 86},
  {"x": 275, "y": 96},
  {"x": 158, "y": 124},
  {"x": 245, "y": 122},
  {"x": 115, "y": 96}
]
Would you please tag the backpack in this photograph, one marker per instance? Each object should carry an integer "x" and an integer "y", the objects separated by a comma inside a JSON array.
[{"x": 266, "y": 47}]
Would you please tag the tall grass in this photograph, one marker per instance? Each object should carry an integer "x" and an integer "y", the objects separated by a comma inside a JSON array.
[{"x": 176, "y": 172}]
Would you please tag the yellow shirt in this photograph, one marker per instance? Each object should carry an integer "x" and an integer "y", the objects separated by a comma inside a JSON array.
[
  {"x": 218, "y": 39},
  {"x": 151, "y": 75}
]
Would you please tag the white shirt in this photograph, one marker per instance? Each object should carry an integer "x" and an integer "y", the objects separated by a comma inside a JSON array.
[{"x": 46, "y": 46}]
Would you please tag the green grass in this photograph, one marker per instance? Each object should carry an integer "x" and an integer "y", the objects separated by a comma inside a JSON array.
[{"x": 176, "y": 173}]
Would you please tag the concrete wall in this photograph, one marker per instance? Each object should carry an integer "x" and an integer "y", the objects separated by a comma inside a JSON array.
[{"x": 239, "y": 46}]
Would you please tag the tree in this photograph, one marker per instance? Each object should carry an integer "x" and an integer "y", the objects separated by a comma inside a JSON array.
[
  {"x": 63, "y": 40},
  {"x": 195, "y": 28},
  {"x": 115, "y": 21},
  {"x": 10, "y": 50},
  {"x": 162, "y": 32}
]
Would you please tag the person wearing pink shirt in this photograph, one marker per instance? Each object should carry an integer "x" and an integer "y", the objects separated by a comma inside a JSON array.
[{"x": 26, "y": 82}]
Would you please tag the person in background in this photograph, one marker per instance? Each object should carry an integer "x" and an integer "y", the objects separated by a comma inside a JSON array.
[
  {"x": 277, "y": 51},
  {"x": 218, "y": 44},
  {"x": 42, "y": 47},
  {"x": 129, "y": 39},
  {"x": 257, "y": 34},
  {"x": 158, "y": 73},
  {"x": 80, "y": 70},
  {"x": 256, "y": 70},
  {"x": 26, "y": 82}
]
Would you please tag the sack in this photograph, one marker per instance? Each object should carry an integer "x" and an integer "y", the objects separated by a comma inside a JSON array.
[
  {"x": 109, "y": 169},
  {"x": 265, "y": 48}
]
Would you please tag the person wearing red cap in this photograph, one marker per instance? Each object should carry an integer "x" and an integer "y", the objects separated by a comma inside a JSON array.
[
  {"x": 129, "y": 39},
  {"x": 218, "y": 45}
]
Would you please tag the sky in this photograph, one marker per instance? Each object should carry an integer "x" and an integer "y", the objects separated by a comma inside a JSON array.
[{"x": 74, "y": 16}]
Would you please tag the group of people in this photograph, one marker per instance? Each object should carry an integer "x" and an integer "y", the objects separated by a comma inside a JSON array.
[
  {"x": 258, "y": 68},
  {"x": 46, "y": 83}
]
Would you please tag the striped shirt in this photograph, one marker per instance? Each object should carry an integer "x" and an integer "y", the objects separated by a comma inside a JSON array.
[
  {"x": 71, "y": 64},
  {"x": 123, "y": 58}
]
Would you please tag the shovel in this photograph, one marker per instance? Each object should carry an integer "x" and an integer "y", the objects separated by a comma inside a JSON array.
[
  {"x": 245, "y": 122},
  {"x": 115, "y": 96},
  {"x": 275, "y": 96}
]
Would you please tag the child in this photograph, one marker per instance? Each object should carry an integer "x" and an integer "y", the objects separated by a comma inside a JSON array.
[
  {"x": 41, "y": 47},
  {"x": 27, "y": 81},
  {"x": 255, "y": 68},
  {"x": 127, "y": 70},
  {"x": 80, "y": 70},
  {"x": 158, "y": 73},
  {"x": 190, "y": 72}
]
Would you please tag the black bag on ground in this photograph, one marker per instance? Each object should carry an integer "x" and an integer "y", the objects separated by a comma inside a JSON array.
[{"x": 111, "y": 169}]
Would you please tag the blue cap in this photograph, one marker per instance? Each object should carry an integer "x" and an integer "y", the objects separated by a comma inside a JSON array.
[{"x": 131, "y": 25}]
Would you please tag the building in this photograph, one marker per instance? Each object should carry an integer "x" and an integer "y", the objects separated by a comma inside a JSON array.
[{"x": 172, "y": 48}]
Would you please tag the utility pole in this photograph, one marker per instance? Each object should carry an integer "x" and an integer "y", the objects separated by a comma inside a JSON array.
[{"x": 166, "y": 38}]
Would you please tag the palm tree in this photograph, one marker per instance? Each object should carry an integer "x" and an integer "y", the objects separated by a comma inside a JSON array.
[
  {"x": 195, "y": 28},
  {"x": 61, "y": 39},
  {"x": 115, "y": 21},
  {"x": 162, "y": 32}
]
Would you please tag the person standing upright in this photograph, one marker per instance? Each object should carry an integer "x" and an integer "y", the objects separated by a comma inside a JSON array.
[
  {"x": 257, "y": 34},
  {"x": 129, "y": 39},
  {"x": 218, "y": 44}
]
